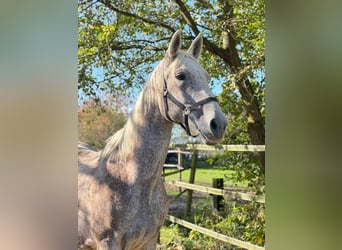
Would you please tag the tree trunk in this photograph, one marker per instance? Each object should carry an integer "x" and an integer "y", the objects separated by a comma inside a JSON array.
[
  {"x": 256, "y": 127},
  {"x": 255, "y": 122}
]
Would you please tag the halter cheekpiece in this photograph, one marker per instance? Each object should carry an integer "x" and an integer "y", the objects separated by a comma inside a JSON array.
[{"x": 185, "y": 107}]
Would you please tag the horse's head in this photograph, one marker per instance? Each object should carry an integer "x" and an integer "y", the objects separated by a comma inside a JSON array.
[{"x": 188, "y": 100}]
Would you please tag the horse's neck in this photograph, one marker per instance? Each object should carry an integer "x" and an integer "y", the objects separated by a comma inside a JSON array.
[
  {"x": 144, "y": 139},
  {"x": 153, "y": 132}
]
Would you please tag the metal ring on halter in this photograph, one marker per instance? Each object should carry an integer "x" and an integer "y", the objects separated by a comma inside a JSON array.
[{"x": 187, "y": 110}]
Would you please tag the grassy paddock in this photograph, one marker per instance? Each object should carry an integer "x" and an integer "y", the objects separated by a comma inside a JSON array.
[{"x": 205, "y": 176}]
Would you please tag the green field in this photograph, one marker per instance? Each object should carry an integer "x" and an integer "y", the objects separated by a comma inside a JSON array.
[{"x": 204, "y": 176}]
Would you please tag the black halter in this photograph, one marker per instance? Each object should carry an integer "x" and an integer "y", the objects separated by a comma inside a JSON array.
[{"x": 186, "y": 108}]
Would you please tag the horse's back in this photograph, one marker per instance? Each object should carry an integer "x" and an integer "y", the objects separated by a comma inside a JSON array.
[
  {"x": 84, "y": 148},
  {"x": 87, "y": 165},
  {"x": 87, "y": 155}
]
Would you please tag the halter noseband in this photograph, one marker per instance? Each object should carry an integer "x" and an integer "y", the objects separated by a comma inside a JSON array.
[{"x": 186, "y": 108}]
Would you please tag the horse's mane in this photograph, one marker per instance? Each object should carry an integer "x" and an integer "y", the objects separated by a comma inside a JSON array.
[{"x": 121, "y": 144}]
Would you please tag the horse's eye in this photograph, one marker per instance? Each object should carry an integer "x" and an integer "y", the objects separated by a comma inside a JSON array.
[{"x": 180, "y": 76}]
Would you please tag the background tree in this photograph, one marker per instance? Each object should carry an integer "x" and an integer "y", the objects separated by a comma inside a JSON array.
[
  {"x": 97, "y": 121},
  {"x": 121, "y": 41}
]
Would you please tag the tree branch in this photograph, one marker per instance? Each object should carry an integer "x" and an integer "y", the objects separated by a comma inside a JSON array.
[
  {"x": 125, "y": 13},
  {"x": 122, "y": 46},
  {"x": 211, "y": 47},
  {"x": 187, "y": 17},
  {"x": 139, "y": 44}
]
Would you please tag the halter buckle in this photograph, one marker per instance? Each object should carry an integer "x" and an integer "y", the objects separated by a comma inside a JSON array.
[{"x": 187, "y": 110}]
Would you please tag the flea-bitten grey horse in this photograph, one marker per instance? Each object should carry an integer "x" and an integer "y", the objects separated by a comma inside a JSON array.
[{"x": 122, "y": 202}]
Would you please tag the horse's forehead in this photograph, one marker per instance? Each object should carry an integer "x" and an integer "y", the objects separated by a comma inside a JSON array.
[{"x": 189, "y": 64}]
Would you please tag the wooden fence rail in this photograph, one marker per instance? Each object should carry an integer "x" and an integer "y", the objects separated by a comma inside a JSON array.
[
  {"x": 216, "y": 191},
  {"x": 237, "y": 148},
  {"x": 214, "y": 234}
]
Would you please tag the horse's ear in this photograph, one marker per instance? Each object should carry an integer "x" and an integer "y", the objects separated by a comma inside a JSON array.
[
  {"x": 196, "y": 46},
  {"x": 175, "y": 44}
]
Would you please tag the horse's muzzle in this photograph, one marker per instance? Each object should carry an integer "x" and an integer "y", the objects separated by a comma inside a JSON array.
[{"x": 213, "y": 130}]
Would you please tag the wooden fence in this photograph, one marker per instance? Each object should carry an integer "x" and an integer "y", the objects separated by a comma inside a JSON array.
[
  {"x": 236, "y": 148},
  {"x": 225, "y": 193},
  {"x": 214, "y": 191}
]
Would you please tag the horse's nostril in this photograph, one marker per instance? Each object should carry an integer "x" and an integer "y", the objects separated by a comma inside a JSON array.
[{"x": 213, "y": 125}]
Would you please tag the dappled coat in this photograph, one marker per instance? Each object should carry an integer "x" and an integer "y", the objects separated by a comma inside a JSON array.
[{"x": 122, "y": 202}]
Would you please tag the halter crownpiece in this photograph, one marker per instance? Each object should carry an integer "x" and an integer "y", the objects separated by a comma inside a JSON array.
[{"x": 186, "y": 108}]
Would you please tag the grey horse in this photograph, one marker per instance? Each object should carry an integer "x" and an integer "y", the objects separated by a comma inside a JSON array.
[{"x": 122, "y": 202}]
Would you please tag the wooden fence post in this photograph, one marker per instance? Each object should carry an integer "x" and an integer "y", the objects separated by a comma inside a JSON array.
[
  {"x": 192, "y": 181},
  {"x": 218, "y": 199},
  {"x": 179, "y": 167}
]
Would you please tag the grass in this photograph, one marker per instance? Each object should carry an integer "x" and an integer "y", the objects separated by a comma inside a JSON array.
[
  {"x": 173, "y": 237},
  {"x": 167, "y": 234},
  {"x": 204, "y": 176}
]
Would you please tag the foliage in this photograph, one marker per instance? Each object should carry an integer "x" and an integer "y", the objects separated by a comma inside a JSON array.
[
  {"x": 241, "y": 220},
  {"x": 120, "y": 43},
  {"x": 113, "y": 48},
  {"x": 97, "y": 121},
  {"x": 120, "y": 37},
  {"x": 175, "y": 237}
]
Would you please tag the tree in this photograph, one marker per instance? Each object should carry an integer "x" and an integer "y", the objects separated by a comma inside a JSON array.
[
  {"x": 97, "y": 121},
  {"x": 121, "y": 41}
]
